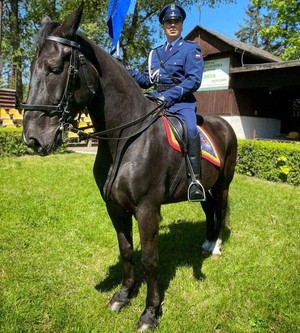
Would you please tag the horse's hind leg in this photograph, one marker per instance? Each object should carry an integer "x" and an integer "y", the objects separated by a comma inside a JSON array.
[
  {"x": 216, "y": 225},
  {"x": 220, "y": 193},
  {"x": 221, "y": 197},
  {"x": 122, "y": 222},
  {"x": 209, "y": 208}
]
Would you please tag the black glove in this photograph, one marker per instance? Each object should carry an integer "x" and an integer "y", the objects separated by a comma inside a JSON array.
[{"x": 159, "y": 98}]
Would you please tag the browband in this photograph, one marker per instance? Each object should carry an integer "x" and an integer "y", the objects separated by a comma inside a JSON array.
[{"x": 64, "y": 41}]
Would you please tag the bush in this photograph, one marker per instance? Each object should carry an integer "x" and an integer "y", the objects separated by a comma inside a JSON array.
[
  {"x": 11, "y": 143},
  {"x": 271, "y": 160}
]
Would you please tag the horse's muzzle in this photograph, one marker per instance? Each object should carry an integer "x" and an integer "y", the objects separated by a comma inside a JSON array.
[
  {"x": 37, "y": 147},
  {"x": 43, "y": 149}
]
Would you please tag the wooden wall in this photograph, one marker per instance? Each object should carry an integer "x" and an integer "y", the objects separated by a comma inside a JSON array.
[
  {"x": 7, "y": 98},
  {"x": 220, "y": 102}
]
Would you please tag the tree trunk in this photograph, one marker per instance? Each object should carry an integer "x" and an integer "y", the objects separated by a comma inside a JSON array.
[{"x": 16, "y": 68}]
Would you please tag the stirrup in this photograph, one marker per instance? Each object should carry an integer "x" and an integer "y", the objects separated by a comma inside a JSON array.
[{"x": 196, "y": 183}]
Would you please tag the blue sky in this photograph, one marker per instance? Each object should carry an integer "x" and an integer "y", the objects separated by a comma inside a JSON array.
[{"x": 225, "y": 19}]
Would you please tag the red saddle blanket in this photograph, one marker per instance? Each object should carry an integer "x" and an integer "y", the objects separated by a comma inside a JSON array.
[{"x": 208, "y": 149}]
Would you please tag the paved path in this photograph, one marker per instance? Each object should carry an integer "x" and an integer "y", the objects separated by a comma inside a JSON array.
[{"x": 84, "y": 149}]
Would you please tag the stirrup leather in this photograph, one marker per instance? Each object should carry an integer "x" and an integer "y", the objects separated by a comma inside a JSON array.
[{"x": 196, "y": 183}]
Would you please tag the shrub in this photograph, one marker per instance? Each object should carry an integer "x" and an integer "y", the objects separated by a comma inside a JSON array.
[
  {"x": 11, "y": 143},
  {"x": 271, "y": 160}
]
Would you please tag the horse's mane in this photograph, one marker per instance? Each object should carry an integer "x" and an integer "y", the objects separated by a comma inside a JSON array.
[{"x": 45, "y": 31}]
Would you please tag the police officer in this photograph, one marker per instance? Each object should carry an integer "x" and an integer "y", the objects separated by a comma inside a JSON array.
[{"x": 175, "y": 69}]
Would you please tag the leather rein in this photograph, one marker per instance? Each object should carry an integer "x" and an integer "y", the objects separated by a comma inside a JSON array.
[{"x": 62, "y": 110}]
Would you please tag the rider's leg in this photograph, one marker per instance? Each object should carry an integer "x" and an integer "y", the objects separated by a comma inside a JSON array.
[{"x": 196, "y": 191}]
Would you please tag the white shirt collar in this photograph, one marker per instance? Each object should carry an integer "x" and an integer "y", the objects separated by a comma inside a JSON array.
[{"x": 174, "y": 42}]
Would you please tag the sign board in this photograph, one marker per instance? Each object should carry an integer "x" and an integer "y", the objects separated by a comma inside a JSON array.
[{"x": 215, "y": 75}]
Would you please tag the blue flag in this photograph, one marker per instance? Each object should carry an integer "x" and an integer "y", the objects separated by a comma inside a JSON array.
[{"x": 117, "y": 10}]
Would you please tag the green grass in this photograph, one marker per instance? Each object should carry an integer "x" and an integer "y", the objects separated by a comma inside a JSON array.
[{"x": 59, "y": 260}]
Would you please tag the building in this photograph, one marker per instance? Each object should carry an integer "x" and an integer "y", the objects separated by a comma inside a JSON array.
[
  {"x": 7, "y": 98},
  {"x": 255, "y": 91}
]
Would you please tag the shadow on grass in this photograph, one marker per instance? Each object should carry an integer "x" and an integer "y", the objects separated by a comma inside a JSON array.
[{"x": 179, "y": 245}]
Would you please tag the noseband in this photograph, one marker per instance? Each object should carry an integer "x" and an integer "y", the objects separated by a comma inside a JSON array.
[{"x": 62, "y": 110}]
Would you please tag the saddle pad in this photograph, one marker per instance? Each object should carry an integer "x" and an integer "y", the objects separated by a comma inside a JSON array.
[{"x": 209, "y": 151}]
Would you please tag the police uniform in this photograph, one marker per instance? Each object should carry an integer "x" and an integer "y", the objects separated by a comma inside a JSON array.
[{"x": 176, "y": 74}]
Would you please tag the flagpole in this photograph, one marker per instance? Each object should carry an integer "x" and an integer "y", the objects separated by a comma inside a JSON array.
[{"x": 118, "y": 49}]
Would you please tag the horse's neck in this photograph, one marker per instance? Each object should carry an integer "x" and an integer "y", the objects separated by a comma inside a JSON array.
[
  {"x": 121, "y": 102},
  {"x": 124, "y": 101}
]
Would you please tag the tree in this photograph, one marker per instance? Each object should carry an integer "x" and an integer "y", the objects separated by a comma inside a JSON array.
[
  {"x": 279, "y": 27},
  {"x": 250, "y": 33},
  {"x": 10, "y": 52}
]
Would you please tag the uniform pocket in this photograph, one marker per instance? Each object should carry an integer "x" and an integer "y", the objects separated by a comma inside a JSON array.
[{"x": 176, "y": 62}]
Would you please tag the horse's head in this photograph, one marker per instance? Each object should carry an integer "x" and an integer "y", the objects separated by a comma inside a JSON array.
[{"x": 59, "y": 84}]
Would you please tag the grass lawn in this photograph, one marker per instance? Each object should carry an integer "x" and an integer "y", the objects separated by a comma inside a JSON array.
[{"x": 59, "y": 261}]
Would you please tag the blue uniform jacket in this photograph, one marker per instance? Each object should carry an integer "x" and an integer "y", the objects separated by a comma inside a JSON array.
[{"x": 185, "y": 63}]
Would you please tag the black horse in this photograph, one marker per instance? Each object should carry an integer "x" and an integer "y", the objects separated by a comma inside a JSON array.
[{"x": 135, "y": 169}]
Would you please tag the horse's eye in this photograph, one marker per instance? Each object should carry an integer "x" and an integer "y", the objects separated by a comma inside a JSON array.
[{"x": 56, "y": 70}]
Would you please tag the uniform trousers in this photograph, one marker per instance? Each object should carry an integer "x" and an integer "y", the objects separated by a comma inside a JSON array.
[{"x": 188, "y": 115}]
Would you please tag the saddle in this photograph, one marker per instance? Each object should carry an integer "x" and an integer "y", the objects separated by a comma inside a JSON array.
[{"x": 179, "y": 129}]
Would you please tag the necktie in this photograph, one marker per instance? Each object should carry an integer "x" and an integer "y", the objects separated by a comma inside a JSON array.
[{"x": 169, "y": 47}]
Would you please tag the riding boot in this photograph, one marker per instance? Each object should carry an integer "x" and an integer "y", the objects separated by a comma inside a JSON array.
[{"x": 195, "y": 190}]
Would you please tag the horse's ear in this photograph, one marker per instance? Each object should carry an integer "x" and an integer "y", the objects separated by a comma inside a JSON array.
[{"x": 71, "y": 24}]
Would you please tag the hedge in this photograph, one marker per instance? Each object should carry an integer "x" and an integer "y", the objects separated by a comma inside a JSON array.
[
  {"x": 270, "y": 160},
  {"x": 11, "y": 143}
]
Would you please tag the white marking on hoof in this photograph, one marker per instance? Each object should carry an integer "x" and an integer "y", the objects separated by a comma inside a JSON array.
[
  {"x": 116, "y": 306},
  {"x": 213, "y": 247},
  {"x": 216, "y": 248},
  {"x": 144, "y": 327}
]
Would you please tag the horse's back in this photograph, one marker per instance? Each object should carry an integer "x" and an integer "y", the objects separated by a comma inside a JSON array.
[
  {"x": 221, "y": 132},
  {"x": 225, "y": 141}
]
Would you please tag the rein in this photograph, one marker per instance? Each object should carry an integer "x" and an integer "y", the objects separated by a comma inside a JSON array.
[
  {"x": 63, "y": 108},
  {"x": 102, "y": 135}
]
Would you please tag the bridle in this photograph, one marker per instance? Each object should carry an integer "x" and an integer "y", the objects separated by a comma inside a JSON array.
[{"x": 62, "y": 110}]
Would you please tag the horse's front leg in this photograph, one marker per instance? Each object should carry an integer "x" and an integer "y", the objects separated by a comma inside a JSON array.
[
  {"x": 148, "y": 221},
  {"x": 122, "y": 222}
]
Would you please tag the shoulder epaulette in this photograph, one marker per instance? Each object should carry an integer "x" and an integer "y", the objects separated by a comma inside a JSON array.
[
  {"x": 190, "y": 41},
  {"x": 158, "y": 47}
]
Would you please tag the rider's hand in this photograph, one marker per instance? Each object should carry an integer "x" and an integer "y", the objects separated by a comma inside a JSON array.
[{"x": 160, "y": 98}]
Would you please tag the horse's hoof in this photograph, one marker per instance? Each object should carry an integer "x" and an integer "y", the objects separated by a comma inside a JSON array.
[
  {"x": 215, "y": 256},
  {"x": 206, "y": 246},
  {"x": 149, "y": 319},
  {"x": 118, "y": 301},
  {"x": 213, "y": 248},
  {"x": 116, "y": 306},
  {"x": 145, "y": 327}
]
